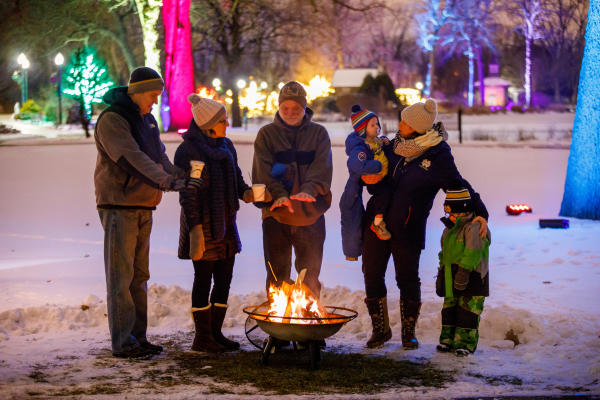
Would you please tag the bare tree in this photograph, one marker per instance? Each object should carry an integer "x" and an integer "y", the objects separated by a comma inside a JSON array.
[
  {"x": 469, "y": 31},
  {"x": 564, "y": 30},
  {"x": 532, "y": 14},
  {"x": 238, "y": 32},
  {"x": 430, "y": 20}
]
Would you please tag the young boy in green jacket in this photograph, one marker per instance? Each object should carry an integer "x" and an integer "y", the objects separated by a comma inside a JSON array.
[{"x": 463, "y": 278}]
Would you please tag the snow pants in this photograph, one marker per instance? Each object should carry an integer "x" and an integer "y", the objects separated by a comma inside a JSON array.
[
  {"x": 307, "y": 242},
  {"x": 375, "y": 257},
  {"x": 126, "y": 258},
  {"x": 460, "y": 322},
  {"x": 206, "y": 272}
]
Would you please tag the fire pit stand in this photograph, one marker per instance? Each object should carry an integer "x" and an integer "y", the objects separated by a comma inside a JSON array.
[{"x": 309, "y": 331}]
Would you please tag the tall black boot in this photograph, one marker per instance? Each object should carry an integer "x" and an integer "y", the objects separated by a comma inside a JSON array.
[
  {"x": 381, "y": 322},
  {"x": 204, "y": 340},
  {"x": 409, "y": 312},
  {"x": 218, "y": 316}
]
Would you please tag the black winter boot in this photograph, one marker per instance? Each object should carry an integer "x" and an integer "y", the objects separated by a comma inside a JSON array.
[
  {"x": 381, "y": 322},
  {"x": 409, "y": 312},
  {"x": 218, "y": 316},
  {"x": 204, "y": 340}
]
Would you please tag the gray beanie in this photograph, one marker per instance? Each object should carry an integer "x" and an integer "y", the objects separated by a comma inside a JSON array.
[
  {"x": 293, "y": 91},
  {"x": 420, "y": 116},
  {"x": 206, "y": 112}
]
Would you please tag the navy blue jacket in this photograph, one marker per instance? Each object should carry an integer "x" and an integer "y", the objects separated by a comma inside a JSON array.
[
  {"x": 360, "y": 162},
  {"x": 414, "y": 186}
]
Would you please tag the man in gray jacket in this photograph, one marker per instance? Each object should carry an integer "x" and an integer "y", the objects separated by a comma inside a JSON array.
[
  {"x": 132, "y": 171},
  {"x": 292, "y": 157}
]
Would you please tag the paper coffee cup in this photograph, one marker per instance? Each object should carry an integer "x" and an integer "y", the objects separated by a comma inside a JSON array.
[
  {"x": 197, "y": 167},
  {"x": 258, "y": 192}
]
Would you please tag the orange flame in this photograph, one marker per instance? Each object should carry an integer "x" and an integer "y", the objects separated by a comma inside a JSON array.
[{"x": 295, "y": 301}]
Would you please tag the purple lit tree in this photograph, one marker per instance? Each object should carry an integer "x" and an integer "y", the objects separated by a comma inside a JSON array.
[
  {"x": 430, "y": 21},
  {"x": 581, "y": 198},
  {"x": 179, "y": 69},
  {"x": 533, "y": 15},
  {"x": 469, "y": 31}
]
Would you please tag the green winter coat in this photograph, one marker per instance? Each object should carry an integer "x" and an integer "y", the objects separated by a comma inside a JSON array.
[{"x": 463, "y": 247}]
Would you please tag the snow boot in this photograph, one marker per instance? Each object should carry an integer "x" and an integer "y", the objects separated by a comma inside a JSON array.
[
  {"x": 217, "y": 318},
  {"x": 409, "y": 313},
  {"x": 381, "y": 322},
  {"x": 204, "y": 340}
]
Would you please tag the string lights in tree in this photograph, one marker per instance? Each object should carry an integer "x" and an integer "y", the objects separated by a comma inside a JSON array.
[{"x": 86, "y": 80}]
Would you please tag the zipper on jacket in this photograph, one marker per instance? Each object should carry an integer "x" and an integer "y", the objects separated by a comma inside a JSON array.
[{"x": 408, "y": 217}]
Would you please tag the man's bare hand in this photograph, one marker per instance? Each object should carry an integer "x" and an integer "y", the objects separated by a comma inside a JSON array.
[
  {"x": 282, "y": 201},
  {"x": 303, "y": 197}
]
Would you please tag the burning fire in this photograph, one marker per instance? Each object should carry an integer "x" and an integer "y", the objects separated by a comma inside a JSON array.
[{"x": 295, "y": 301}]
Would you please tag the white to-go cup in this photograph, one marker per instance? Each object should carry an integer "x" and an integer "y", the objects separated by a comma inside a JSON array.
[
  {"x": 258, "y": 192},
  {"x": 197, "y": 167}
]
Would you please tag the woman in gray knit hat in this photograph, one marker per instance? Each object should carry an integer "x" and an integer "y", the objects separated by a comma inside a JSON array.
[
  {"x": 420, "y": 164},
  {"x": 208, "y": 234}
]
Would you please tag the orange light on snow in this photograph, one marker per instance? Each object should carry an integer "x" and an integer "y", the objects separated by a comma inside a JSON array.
[{"x": 516, "y": 209}]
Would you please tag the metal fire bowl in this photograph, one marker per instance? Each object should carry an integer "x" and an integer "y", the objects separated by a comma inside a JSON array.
[{"x": 294, "y": 331}]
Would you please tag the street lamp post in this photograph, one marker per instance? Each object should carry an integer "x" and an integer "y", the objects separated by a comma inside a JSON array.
[
  {"x": 59, "y": 61},
  {"x": 24, "y": 63}
]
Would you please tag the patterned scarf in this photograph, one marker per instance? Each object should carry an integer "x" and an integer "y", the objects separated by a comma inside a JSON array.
[
  {"x": 223, "y": 183},
  {"x": 413, "y": 148}
]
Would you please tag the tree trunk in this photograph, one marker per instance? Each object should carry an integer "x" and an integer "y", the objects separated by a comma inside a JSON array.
[
  {"x": 581, "y": 198},
  {"x": 236, "y": 116},
  {"x": 527, "y": 71},
  {"x": 85, "y": 122},
  {"x": 431, "y": 74},
  {"x": 480, "y": 75},
  {"x": 179, "y": 69},
  {"x": 470, "y": 94}
]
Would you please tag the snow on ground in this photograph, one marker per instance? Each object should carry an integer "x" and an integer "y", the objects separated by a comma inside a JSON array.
[{"x": 544, "y": 282}]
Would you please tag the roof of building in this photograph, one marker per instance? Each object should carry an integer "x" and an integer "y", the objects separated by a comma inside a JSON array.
[
  {"x": 494, "y": 81},
  {"x": 351, "y": 77}
]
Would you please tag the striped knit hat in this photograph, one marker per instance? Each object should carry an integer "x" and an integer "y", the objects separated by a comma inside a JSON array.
[
  {"x": 206, "y": 112},
  {"x": 458, "y": 201},
  {"x": 360, "y": 118},
  {"x": 144, "y": 79}
]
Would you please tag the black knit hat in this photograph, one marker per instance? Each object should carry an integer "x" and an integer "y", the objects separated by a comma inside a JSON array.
[
  {"x": 144, "y": 79},
  {"x": 458, "y": 201}
]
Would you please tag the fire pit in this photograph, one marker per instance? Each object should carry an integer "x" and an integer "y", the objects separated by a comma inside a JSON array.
[
  {"x": 311, "y": 331},
  {"x": 292, "y": 313}
]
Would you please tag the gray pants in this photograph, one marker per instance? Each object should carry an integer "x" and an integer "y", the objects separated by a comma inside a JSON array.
[{"x": 126, "y": 256}]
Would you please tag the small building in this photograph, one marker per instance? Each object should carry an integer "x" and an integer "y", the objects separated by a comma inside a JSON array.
[
  {"x": 495, "y": 91},
  {"x": 349, "y": 80}
]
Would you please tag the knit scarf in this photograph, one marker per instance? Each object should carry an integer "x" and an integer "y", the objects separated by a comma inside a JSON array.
[
  {"x": 223, "y": 183},
  {"x": 413, "y": 148}
]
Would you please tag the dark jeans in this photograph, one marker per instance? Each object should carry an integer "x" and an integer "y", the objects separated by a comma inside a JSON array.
[
  {"x": 375, "y": 257},
  {"x": 307, "y": 241},
  {"x": 126, "y": 257},
  {"x": 221, "y": 271},
  {"x": 381, "y": 197}
]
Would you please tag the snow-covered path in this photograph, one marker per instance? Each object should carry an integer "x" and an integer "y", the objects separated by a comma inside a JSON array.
[{"x": 544, "y": 282}]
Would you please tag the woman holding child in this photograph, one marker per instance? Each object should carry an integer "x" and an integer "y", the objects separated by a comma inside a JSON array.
[{"x": 420, "y": 163}]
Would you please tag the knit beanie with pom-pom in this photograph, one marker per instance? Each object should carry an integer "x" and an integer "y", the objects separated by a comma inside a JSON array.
[
  {"x": 206, "y": 112},
  {"x": 360, "y": 118},
  {"x": 420, "y": 116}
]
